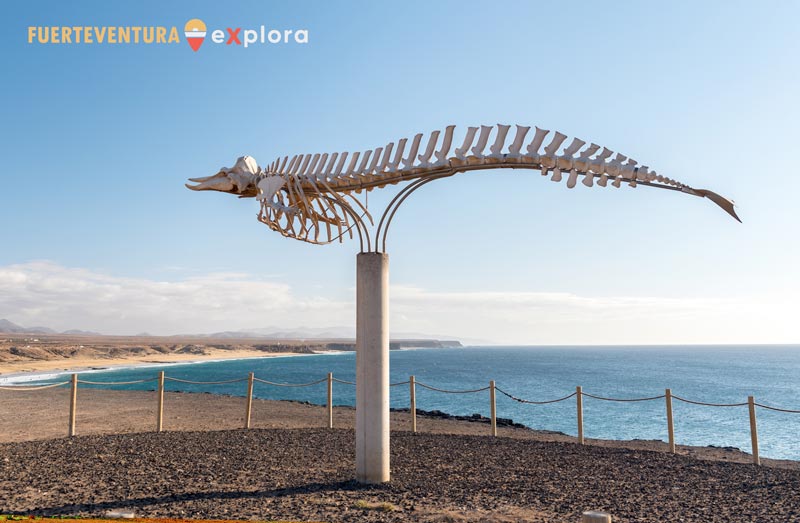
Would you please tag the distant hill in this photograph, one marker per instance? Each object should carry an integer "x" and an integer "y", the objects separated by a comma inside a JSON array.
[
  {"x": 12, "y": 328},
  {"x": 345, "y": 334},
  {"x": 318, "y": 333},
  {"x": 81, "y": 333},
  {"x": 9, "y": 327},
  {"x": 299, "y": 333}
]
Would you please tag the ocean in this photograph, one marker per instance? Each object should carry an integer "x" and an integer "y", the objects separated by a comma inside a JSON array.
[{"x": 711, "y": 374}]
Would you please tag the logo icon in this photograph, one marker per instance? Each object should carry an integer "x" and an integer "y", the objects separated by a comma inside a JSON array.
[{"x": 195, "y": 33}]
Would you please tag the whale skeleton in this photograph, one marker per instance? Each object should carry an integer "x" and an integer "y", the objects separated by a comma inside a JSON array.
[{"x": 313, "y": 197}]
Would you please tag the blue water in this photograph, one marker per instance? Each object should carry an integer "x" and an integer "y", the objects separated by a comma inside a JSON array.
[{"x": 710, "y": 374}]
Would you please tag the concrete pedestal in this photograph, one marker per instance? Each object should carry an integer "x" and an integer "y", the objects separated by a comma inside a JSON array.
[{"x": 372, "y": 367}]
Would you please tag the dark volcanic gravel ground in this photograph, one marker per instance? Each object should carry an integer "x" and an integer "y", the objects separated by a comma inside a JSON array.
[{"x": 306, "y": 474}]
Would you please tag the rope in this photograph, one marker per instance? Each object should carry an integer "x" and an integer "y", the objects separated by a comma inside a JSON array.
[
  {"x": 534, "y": 402},
  {"x": 205, "y": 382},
  {"x": 708, "y": 404},
  {"x": 501, "y": 391},
  {"x": 116, "y": 382},
  {"x": 452, "y": 391},
  {"x": 40, "y": 387},
  {"x": 622, "y": 399},
  {"x": 291, "y": 384},
  {"x": 778, "y": 409}
]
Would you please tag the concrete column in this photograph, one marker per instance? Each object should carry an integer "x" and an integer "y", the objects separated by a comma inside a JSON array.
[
  {"x": 595, "y": 517},
  {"x": 372, "y": 367}
]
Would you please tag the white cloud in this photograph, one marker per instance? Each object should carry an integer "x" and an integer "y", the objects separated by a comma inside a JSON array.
[
  {"x": 45, "y": 293},
  {"x": 522, "y": 317}
]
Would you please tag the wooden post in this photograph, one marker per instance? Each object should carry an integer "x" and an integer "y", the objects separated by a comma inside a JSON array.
[
  {"x": 579, "y": 396},
  {"x": 494, "y": 407},
  {"x": 330, "y": 400},
  {"x": 73, "y": 403},
  {"x": 249, "y": 406},
  {"x": 670, "y": 426},
  {"x": 412, "y": 391},
  {"x": 160, "y": 415},
  {"x": 751, "y": 405}
]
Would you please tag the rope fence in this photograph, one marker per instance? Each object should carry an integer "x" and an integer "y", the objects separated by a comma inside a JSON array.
[
  {"x": 776, "y": 409},
  {"x": 470, "y": 391},
  {"x": 709, "y": 404},
  {"x": 530, "y": 402},
  {"x": 310, "y": 383},
  {"x": 412, "y": 383},
  {"x": 224, "y": 382},
  {"x": 623, "y": 400},
  {"x": 87, "y": 382},
  {"x": 41, "y": 387}
]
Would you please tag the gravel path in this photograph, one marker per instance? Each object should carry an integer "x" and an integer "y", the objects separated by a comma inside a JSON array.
[{"x": 306, "y": 474}]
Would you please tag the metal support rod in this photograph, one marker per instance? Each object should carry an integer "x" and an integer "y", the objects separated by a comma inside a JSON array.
[
  {"x": 372, "y": 368},
  {"x": 395, "y": 204},
  {"x": 73, "y": 403},
  {"x": 751, "y": 405},
  {"x": 160, "y": 414},
  {"x": 493, "y": 408},
  {"x": 390, "y": 209},
  {"x": 579, "y": 398},
  {"x": 330, "y": 400},
  {"x": 249, "y": 406},
  {"x": 670, "y": 426},
  {"x": 412, "y": 391}
]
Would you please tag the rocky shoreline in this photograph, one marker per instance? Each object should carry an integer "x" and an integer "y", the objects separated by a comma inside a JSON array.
[{"x": 474, "y": 418}]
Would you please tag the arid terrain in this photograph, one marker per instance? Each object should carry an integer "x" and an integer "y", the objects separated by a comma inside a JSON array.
[
  {"x": 45, "y": 352},
  {"x": 291, "y": 466},
  {"x": 25, "y": 353}
]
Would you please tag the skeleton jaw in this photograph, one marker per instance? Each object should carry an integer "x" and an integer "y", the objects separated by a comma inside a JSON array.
[
  {"x": 219, "y": 182},
  {"x": 239, "y": 179}
]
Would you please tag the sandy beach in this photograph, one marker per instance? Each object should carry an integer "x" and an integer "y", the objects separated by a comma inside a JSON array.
[
  {"x": 36, "y": 354},
  {"x": 41, "y": 367},
  {"x": 290, "y": 465},
  {"x": 33, "y": 367},
  {"x": 46, "y": 353}
]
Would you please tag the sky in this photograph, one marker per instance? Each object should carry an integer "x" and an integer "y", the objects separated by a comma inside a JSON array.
[{"x": 99, "y": 232}]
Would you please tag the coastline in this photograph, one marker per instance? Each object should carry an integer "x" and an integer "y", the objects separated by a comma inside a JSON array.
[
  {"x": 694, "y": 425},
  {"x": 36, "y": 370},
  {"x": 26, "y": 357}
]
